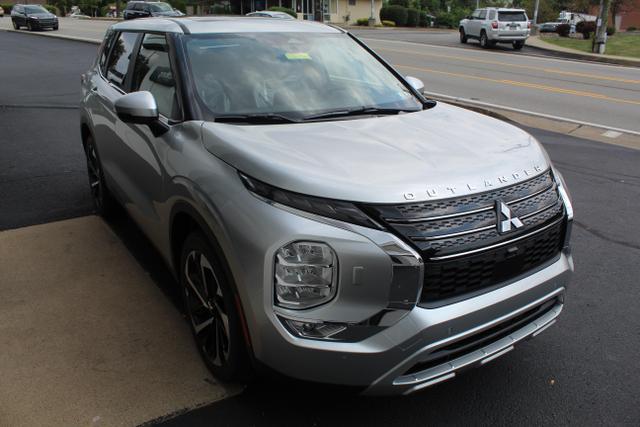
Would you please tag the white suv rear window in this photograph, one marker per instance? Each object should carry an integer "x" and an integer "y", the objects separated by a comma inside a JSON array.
[{"x": 512, "y": 16}]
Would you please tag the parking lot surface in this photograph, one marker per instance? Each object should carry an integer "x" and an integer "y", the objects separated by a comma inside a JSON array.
[{"x": 582, "y": 371}]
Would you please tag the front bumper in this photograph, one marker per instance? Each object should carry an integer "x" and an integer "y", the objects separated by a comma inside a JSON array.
[
  {"x": 388, "y": 363},
  {"x": 40, "y": 24}
]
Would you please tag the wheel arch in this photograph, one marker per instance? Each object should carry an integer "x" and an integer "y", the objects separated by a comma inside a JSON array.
[{"x": 185, "y": 219}]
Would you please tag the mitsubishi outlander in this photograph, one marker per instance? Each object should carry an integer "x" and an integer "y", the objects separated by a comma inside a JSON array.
[{"x": 322, "y": 217}]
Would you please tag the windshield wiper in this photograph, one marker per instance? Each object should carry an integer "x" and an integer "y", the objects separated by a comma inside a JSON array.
[
  {"x": 360, "y": 111},
  {"x": 268, "y": 118}
]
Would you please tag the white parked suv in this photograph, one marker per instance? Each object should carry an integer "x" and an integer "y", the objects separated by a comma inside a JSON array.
[{"x": 493, "y": 25}]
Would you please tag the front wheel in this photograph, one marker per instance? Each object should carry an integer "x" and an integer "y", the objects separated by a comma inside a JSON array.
[
  {"x": 55, "y": 28},
  {"x": 517, "y": 45},
  {"x": 209, "y": 302},
  {"x": 15, "y": 25},
  {"x": 463, "y": 36},
  {"x": 29, "y": 26}
]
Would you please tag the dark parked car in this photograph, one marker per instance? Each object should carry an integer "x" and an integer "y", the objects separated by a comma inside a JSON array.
[
  {"x": 141, "y": 9},
  {"x": 32, "y": 16},
  {"x": 548, "y": 27}
]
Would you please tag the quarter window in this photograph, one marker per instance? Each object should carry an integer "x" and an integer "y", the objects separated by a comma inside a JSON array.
[
  {"x": 118, "y": 63},
  {"x": 106, "y": 46},
  {"x": 153, "y": 73}
]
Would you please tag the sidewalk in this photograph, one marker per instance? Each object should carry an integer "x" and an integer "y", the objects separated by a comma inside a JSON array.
[{"x": 537, "y": 43}]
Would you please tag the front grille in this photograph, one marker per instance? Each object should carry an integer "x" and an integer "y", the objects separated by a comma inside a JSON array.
[
  {"x": 459, "y": 239},
  {"x": 46, "y": 21}
]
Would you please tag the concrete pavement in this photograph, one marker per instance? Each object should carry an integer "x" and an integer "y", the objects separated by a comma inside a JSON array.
[{"x": 86, "y": 337}]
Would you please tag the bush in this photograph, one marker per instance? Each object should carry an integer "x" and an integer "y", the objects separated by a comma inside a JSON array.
[
  {"x": 285, "y": 10},
  {"x": 51, "y": 9},
  {"x": 611, "y": 31},
  {"x": 563, "y": 30},
  {"x": 363, "y": 22},
  {"x": 451, "y": 19},
  {"x": 395, "y": 13},
  {"x": 7, "y": 8},
  {"x": 412, "y": 17},
  {"x": 218, "y": 9},
  {"x": 181, "y": 5},
  {"x": 403, "y": 3},
  {"x": 423, "y": 19},
  {"x": 628, "y": 28},
  {"x": 586, "y": 28},
  {"x": 388, "y": 24}
]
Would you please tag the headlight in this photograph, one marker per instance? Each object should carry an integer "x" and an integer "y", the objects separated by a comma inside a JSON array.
[
  {"x": 305, "y": 275},
  {"x": 336, "y": 209}
]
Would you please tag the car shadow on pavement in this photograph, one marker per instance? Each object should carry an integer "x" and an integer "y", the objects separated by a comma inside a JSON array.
[{"x": 146, "y": 255}]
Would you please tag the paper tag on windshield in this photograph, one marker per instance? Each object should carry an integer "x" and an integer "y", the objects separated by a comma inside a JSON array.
[{"x": 297, "y": 56}]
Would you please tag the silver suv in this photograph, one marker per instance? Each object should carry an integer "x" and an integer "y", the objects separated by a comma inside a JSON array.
[
  {"x": 493, "y": 25},
  {"x": 322, "y": 218}
]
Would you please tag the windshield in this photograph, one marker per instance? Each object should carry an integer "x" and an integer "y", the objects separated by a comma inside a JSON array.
[
  {"x": 161, "y": 7},
  {"x": 512, "y": 16},
  {"x": 291, "y": 74},
  {"x": 35, "y": 9}
]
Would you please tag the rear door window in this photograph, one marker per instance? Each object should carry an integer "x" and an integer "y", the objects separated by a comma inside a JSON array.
[
  {"x": 512, "y": 16},
  {"x": 118, "y": 63}
]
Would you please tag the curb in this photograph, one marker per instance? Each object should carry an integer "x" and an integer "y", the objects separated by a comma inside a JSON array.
[
  {"x": 585, "y": 57},
  {"x": 56, "y": 36}
]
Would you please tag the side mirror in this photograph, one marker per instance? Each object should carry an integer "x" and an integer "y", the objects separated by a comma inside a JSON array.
[
  {"x": 137, "y": 107},
  {"x": 415, "y": 83}
]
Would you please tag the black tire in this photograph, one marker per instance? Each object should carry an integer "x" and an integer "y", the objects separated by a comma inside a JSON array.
[
  {"x": 484, "y": 40},
  {"x": 517, "y": 45},
  {"x": 463, "y": 36},
  {"x": 209, "y": 302},
  {"x": 55, "y": 28},
  {"x": 104, "y": 202},
  {"x": 29, "y": 26},
  {"x": 15, "y": 25}
]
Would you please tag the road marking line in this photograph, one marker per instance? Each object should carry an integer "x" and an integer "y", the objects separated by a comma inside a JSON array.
[
  {"x": 525, "y": 84},
  {"x": 528, "y": 67},
  {"x": 523, "y": 55},
  {"x": 527, "y": 112}
]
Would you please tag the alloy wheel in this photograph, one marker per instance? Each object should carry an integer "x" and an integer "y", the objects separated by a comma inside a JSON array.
[{"x": 206, "y": 308}]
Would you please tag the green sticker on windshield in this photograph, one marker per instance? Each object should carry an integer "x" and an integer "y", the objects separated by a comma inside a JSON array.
[{"x": 296, "y": 56}]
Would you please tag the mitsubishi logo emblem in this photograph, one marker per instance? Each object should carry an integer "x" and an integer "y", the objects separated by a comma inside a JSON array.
[{"x": 505, "y": 218}]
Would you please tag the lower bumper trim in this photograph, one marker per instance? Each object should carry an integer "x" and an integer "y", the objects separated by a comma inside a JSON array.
[{"x": 422, "y": 379}]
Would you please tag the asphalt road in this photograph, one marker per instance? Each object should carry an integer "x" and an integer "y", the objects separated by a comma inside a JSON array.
[{"x": 582, "y": 371}]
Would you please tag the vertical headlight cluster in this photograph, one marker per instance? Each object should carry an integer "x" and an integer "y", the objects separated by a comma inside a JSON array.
[{"x": 305, "y": 275}]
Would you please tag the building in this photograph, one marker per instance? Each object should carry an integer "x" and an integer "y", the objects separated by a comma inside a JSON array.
[
  {"x": 628, "y": 16},
  {"x": 330, "y": 11}
]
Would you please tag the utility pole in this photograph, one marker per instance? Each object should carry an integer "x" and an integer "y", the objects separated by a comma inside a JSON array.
[
  {"x": 372, "y": 18},
  {"x": 600, "y": 41},
  {"x": 534, "y": 27}
]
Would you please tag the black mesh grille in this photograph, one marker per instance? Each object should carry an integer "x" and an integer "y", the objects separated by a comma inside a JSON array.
[
  {"x": 459, "y": 239},
  {"x": 457, "y": 276}
]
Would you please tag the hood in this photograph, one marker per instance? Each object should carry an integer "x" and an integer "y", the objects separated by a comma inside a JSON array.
[{"x": 442, "y": 152}]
